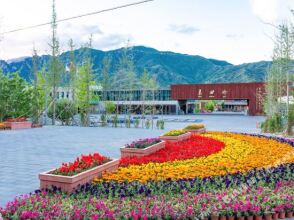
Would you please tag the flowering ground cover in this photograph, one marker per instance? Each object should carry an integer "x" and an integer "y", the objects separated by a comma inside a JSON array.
[
  {"x": 184, "y": 205},
  {"x": 242, "y": 153},
  {"x": 194, "y": 126},
  {"x": 175, "y": 132},
  {"x": 214, "y": 174},
  {"x": 194, "y": 147},
  {"x": 82, "y": 163}
]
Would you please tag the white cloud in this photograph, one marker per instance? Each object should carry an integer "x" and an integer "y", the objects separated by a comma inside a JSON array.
[
  {"x": 272, "y": 11},
  {"x": 266, "y": 10}
]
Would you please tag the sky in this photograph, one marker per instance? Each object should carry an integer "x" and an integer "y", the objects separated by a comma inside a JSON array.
[{"x": 237, "y": 31}]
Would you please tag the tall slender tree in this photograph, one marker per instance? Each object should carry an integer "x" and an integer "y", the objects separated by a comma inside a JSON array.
[
  {"x": 106, "y": 81},
  {"x": 278, "y": 79},
  {"x": 55, "y": 65},
  {"x": 85, "y": 82},
  {"x": 72, "y": 69}
]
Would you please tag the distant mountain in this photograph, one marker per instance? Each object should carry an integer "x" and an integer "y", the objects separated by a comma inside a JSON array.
[{"x": 167, "y": 67}]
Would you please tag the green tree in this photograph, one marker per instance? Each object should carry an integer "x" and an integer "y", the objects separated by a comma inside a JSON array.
[
  {"x": 278, "y": 79},
  {"x": 106, "y": 81},
  {"x": 38, "y": 95},
  {"x": 110, "y": 107},
  {"x": 65, "y": 110},
  {"x": 147, "y": 84},
  {"x": 55, "y": 64},
  {"x": 84, "y": 87},
  {"x": 72, "y": 69},
  {"x": 4, "y": 96}
]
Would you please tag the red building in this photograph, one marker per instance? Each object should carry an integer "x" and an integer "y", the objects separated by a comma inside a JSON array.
[{"x": 252, "y": 92}]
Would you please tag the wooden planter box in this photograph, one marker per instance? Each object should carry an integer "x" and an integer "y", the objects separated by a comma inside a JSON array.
[
  {"x": 197, "y": 131},
  {"x": 129, "y": 152},
  {"x": 181, "y": 137},
  {"x": 19, "y": 125},
  {"x": 71, "y": 183}
]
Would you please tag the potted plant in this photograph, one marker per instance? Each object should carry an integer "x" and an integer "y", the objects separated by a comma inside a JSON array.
[
  {"x": 84, "y": 169},
  {"x": 142, "y": 147},
  {"x": 17, "y": 123},
  {"x": 195, "y": 128},
  {"x": 176, "y": 135}
]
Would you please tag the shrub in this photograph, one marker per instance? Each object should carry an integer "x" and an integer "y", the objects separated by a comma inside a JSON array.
[
  {"x": 136, "y": 123},
  {"x": 147, "y": 123},
  {"x": 65, "y": 110},
  {"x": 160, "y": 124},
  {"x": 109, "y": 107},
  {"x": 103, "y": 119}
]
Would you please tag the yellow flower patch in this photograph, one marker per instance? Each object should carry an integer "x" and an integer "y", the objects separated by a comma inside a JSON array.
[{"x": 242, "y": 153}]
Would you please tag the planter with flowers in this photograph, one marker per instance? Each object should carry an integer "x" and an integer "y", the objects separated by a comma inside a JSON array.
[
  {"x": 70, "y": 176},
  {"x": 176, "y": 135},
  {"x": 3, "y": 126},
  {"x": 142, "y": 147},
  {"x": 18, "y": 123},
  {"x": 195, "y": 128}
]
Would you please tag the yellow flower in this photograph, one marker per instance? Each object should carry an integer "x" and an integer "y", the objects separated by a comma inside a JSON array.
[
  {"x": 242, "y": 153},
  {"x": 175, "y": 132}
]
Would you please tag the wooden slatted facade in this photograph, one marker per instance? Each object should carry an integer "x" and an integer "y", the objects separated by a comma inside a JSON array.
[{"x": 253, "y": 92}]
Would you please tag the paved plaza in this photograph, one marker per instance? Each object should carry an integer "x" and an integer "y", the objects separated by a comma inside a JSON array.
[{"x": 25, "y": 153}]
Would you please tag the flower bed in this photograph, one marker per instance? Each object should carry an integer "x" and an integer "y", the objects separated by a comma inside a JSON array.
[
  {"x": 70, "y": 176},
  {"x": 3, "y": 126},
  {"x": 185, "y": 205},
  {"x": 16, "y": 119},
  {"x": 195, "y": 128},
  {"x": 18, "y": 125},
  {"x": 241, "y": 154},
  {"x": 175, "y": 135},
  {"x": 194, "y": 147},
  {"x": 214, "y": 175},
  {"x": 142, "y": 147}
]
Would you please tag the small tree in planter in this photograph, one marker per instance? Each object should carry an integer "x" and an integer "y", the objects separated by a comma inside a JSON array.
[
  {"x": 65, "y": 111},
  {"x": 114, "y": 121}
]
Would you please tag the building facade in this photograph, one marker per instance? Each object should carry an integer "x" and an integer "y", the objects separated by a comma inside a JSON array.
[
  {"x": 248, "y": 95},
  {"x": 245, "y": 98}
]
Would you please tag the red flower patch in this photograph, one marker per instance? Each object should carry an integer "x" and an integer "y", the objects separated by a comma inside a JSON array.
[
  {"x": 82, "y": 163},
  {"x": 196, "y": 146}
]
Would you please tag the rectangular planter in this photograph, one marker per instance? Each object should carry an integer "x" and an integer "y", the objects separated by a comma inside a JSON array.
[
  {"x": 129, "y": 152},
  {"x": 71, "y": 183},
  {"x": 19, "y": 125},
  {"x": 181, "y": 137},
  {"x": 197, "y": 131}
]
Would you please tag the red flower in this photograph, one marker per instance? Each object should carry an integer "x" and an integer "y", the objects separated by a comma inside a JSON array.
[
  {"x": 81, "y": 164},
  {"x": 196, "y": 146}
]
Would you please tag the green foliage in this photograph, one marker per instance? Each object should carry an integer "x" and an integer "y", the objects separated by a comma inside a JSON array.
[
  {"x": 65, "y": 110},
  {"x": 210, "y": 105},
  {"x": 160, "y": 124},
  {"x": 128, "y": 121},
  {"x": 290, "y": 120},
  {"x": 136, "y": 123},
  {"x": 147, "y": 124},
  {"x": 15, "y": 97},
  {"x": 103, "y": 120},
  {"x": 114, "y": 121},
  {"x": 110, "y": 107},
  {"x": 38, "y": 99},
  {"x": 272, "y": 124},
  {"x": 196, "y": 110},
  {"x": 84, "y": 93},
  {"x": 106, "y": 80}
]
